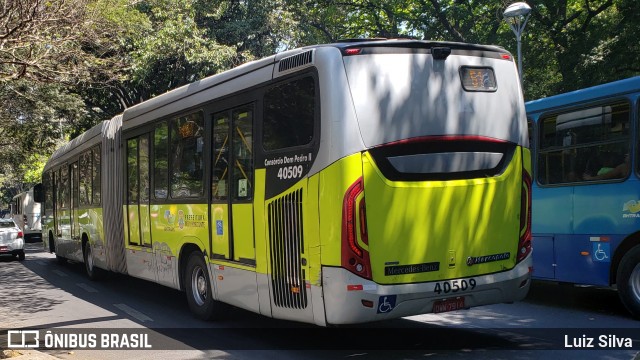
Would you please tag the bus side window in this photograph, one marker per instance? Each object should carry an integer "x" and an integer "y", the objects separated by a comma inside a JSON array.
[
  {"x": 574, "y": 146},
  {"x": 243, "y": 151},
  {"x": 161, "y": 160},
  {"x": 95, "y": 176},
  {"x": 289, "y": 114},
  {"x": 187, "y": 161}
]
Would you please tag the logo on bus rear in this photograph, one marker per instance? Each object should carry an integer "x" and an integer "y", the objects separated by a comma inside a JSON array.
[
  {"x": 472, "y": 260},
  {"x": 411, "y": 269}
]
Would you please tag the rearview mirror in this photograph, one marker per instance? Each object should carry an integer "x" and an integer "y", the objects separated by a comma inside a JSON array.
[{"x": 38, "y": 193}]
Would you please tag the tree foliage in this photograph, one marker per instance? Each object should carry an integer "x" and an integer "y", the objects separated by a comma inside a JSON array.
[
  {"x": 62, "y": 41},
  {"x": 34, "y": 120},
  {"x": 67, "y": 64},
  {"x": 567, "y": 44}
]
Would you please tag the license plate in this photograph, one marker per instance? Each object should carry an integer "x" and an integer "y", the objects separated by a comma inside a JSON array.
[{"x": 448, "y": 305}]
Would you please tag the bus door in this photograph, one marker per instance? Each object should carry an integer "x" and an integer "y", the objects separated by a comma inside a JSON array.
[
  {"x": 232, "y": 195},
  {"x": 63, "y": 214},
  {"x": 140, "y": 259},
  {"x": 74, "y": 213}
]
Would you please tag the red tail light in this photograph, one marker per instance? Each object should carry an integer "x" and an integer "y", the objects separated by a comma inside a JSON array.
[
  {"x": 353, "y": 51},
  {"x": 354, "y": 257},
  {"x": 20, "y": 234},
  {"x": 524, "y": 245}
]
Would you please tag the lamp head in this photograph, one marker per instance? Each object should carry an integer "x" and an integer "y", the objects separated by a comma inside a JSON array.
[{"x": 517, "y": 9}]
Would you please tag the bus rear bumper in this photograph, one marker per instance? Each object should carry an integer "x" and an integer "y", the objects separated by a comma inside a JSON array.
[{"x": 350, "y": 299}]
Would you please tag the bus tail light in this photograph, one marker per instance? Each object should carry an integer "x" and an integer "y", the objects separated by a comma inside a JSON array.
[
  {"x": 524, "y": 245},
  {"x": 354, "y": 257},
  {"x": 352, "y": 51}
]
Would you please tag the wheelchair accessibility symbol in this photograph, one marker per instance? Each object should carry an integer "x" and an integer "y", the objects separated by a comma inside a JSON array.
[
  {"x": 601, "y": 252},
  {"x": 386, "y": 303}
]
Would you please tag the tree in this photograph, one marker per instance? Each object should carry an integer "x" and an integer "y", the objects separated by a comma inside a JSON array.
[
  {"x": 34, "y": 119},
  {"x": 46, "y": 41},
  {"x": 67, "y": 64},
  {"x": 567, "y": 45}
]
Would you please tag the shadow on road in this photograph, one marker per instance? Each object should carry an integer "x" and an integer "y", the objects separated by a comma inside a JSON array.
[
  {"x": 22, "y": 289},
  {"x": 175, "y": 328},
  {"x": 586, "y": 298}
]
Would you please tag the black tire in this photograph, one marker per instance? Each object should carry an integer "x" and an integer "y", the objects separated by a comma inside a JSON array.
[
  {"x": 199, "y": 290},
  {"x": 52, "y": 250},
  {"x": 52, "y": 245},
  {"x": 61, "y": 260},
  {"x": 628, "y": 281},
  {"x": 21, "y": 255},
  {"x": 93, "y": 272}
]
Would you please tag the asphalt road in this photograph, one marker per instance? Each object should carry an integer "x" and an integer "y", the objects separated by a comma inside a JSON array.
[{"x": 40, "y": 293}]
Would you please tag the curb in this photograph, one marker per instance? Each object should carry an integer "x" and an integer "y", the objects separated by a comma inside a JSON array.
[{"x": 26, "y": 355}]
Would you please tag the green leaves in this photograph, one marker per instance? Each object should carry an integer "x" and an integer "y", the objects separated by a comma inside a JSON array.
[{"x": 68, "y": 64}]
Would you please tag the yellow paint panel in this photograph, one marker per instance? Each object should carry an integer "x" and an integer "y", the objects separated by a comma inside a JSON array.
[
  {"x": 133, "y": 221},
  {"x": 243, "y": 242},
  {"x": 333, "y": 184},
  {"x": 412, "y": 223},
  {"x": 259, "y": 220},
  {"x": 145, "y": 225},
  {"x": 312, "y": 234},
  {"x": 220, "y": 229}
]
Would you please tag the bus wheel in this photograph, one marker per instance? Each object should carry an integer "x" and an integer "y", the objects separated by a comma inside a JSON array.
[
  {"x": 92, "y": 271},
  {"x": 628, "y": 281},
  {"x": 198, "y": 288}
]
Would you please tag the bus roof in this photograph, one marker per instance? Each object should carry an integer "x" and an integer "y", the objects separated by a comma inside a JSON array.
[
  {"x": 193, "y": 88},
  {"x": 607, "y": 90},
  {"x": 412, "y": 44},
  {"x": 176, "y": 95},
  {"x": 80, "y": 143}
]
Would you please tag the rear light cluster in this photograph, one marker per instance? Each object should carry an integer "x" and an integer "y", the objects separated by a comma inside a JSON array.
[
  {"x": 524, "y": 245},
  {"x": 352, "y": 51},
  {"x": 20, "y": 234},
  {"x": 354, "y": 257}
]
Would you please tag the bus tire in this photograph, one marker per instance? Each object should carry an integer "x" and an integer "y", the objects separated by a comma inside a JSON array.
[
  {"x": 93, "y": 272},
  {"x": 628, "y": 281},
  {"x": 199, "y": 290}
]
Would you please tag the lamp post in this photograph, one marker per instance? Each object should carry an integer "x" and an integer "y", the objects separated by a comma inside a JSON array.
[{"x": 516, "y": 15}]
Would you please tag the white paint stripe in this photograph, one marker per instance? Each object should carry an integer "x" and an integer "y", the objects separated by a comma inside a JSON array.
[
  {"x": 133, "y": 312},
  {"x": 370, "y": 287},
  {"x": 87, "y": 287},
  {"x": 60, "y": 273}
]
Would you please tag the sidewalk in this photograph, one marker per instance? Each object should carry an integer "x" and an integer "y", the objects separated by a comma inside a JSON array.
[{"x": 25, "y": 355}]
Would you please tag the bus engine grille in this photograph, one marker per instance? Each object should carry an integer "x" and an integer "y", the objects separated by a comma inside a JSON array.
[{"x": 286, "y": 242}]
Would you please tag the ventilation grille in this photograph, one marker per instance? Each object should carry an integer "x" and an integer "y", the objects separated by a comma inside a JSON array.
[
  {"x": 295, "y": 61},
  {"x": 287, "y": 247}
]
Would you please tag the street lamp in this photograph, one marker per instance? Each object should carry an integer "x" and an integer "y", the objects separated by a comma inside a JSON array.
[{"x": 516, "y": 15}]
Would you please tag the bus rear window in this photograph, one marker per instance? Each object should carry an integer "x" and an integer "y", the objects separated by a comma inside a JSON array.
[{"x": 478, "y": 79}]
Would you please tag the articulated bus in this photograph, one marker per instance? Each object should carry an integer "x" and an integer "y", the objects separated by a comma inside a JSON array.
[
  {"x": 332, "y": 184},
  {"x": 586, "y": 193},
  {"x": 26, "y": 213}
]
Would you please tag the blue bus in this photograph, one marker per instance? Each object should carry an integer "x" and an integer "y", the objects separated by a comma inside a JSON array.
[{"x": 586, "y": 192}]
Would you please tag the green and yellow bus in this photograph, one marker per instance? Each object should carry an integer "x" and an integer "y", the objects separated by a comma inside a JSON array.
[{"x": 331, "y": 184}]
